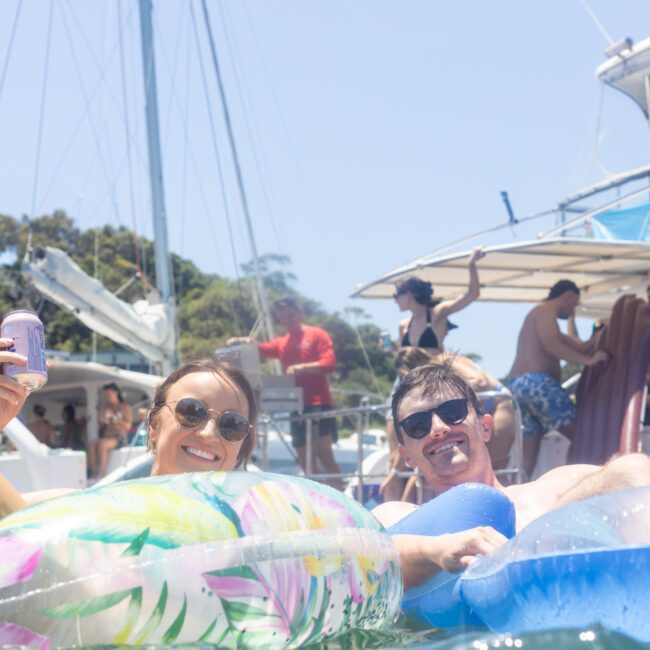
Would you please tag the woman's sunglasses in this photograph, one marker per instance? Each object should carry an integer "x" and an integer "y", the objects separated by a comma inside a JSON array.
[
  {"x": 191, "y": 413},
  {"x": 417, "y": 425}
]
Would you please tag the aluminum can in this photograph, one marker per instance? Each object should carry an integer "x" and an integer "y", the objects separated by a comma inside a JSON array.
[
  {"x": 27, "y": 331},
  {"x": 386, "y": 343}
]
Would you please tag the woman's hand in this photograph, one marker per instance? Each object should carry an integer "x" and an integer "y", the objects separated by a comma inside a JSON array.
[
  {"x": 477, "y": 254},
  {"x": 12, "y": 394}
]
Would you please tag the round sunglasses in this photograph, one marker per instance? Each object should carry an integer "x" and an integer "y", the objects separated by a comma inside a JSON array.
[
  {"x": 191, "y": 413},
  {"x": 417, "y": 425}
]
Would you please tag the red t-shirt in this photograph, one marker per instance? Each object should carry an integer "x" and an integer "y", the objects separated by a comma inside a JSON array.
[{"x": 308, "y": 345}]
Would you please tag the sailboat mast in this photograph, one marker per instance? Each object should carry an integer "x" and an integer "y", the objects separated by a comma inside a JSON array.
[
  {"x": 161, "y": 242},
  {"x": 268, "y": 321}
]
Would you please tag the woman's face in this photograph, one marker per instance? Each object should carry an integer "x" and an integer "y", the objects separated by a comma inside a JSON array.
[
  {"x": 111, "y": 396},
  {"x": 404, "y": 300},
  {"x": 201, "y": 449}
]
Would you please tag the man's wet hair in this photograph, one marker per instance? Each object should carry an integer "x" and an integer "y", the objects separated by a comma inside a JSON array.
[
  {"x": 39, "y": 410},
  {"x": 429, "y": 379},
  {"x": 287, "y": 302},
  {"x": 562, "y": 286}
]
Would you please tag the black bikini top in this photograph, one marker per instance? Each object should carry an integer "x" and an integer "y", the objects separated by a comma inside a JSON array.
[{"x": 428, "y": 338}]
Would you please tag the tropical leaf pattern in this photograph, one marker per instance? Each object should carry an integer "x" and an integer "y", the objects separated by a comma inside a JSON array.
[{"x": 231, "y": 559}]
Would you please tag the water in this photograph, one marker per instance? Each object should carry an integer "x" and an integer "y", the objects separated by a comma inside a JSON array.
[{"x": 596, "y": 638}]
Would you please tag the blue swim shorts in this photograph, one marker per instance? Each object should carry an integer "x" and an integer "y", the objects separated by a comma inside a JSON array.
[{"x": 544, "y": 404}]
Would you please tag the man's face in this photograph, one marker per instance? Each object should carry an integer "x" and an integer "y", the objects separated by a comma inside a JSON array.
[
  {"x": 288, "y": 317},
  {"x": 449, "y": 454},
  {"x": 570, "y": 301}
]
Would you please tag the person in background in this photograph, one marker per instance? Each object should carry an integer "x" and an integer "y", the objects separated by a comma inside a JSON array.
[
  {"x": 114, "y": 424},
  {"x": 41, "y": 427},
  {"x": 535, "y": 376},
  {"x": 73, "y": 430},
  {"x": 307, "y": 353},
  {"x": 428, "y": 325}
]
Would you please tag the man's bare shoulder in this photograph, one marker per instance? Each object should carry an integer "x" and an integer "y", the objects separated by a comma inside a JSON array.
[{"x": 536, "y": 498}]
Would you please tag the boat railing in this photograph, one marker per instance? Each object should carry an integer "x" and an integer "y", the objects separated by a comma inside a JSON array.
[{"x": 361, "y": 416}]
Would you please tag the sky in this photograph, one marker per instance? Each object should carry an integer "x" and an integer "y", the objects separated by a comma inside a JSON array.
[{"x": 369, "y": 132}]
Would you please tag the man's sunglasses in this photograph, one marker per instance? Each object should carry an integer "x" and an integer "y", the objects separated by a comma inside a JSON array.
[
  {"x": 417, "y": 425},
  {"x": 191, "y": 413}
]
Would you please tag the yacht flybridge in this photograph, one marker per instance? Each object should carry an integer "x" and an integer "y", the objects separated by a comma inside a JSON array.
[{"x": 604, "y": 250}]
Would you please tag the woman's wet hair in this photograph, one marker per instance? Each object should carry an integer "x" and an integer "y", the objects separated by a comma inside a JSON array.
[
  {"x": 232, "y": 375},
  {"x": 68, "y": 413},
  {"x": 421, "y": 290},
  {"x": 409, "y": 358},
  {"x": 114, "y": 387},
  {"x": 430, "y": 379}
]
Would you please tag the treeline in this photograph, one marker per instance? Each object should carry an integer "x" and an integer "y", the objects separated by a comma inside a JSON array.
[{"x": 210, "y": 308}]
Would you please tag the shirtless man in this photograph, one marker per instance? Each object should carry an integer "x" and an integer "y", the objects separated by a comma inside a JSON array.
[
  {"x": 500, "y": 407},
  {"x": 534, "y": 378},
  {"x": 41, "y": 427},
  {"x": 441, "y": 432}
]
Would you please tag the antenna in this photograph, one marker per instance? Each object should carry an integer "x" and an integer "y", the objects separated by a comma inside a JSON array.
[{"x": 512, "y": 220}]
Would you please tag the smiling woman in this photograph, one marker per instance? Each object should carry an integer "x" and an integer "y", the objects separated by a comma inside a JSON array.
[{"x": 202, "y": 419}]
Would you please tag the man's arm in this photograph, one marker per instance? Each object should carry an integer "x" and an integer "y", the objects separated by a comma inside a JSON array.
[
  {"x": 325, "y": 361},
  {"x": 12, "y": 394},
  {"x": 560, "y": 346},
  {"x": 422, "y": 557}
]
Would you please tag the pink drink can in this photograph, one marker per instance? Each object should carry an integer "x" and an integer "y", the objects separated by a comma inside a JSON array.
[{"x": 27, "y": 331}]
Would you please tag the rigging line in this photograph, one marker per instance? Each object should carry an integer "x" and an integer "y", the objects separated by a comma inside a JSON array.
[
  {"x": 247, "y": 120},
  {"x": 375, "y": 381},
  {"x": 487, "y": 231},
  {"x": 599, "y": 115},
  {"x": 184, "y": 164},
  {"x": 93, "y": 127},
  {"x": 39, "y": 138},
  {"x": 215, "y": 148},
  {"x": 10, "y": 46},
  {"x": 136, "y": 253},
  {"x": 270, "y": 330},
  {"x": 102, "y": 70},
  {"x": 597, "y": 22},
  {"x": 274, "y": 97},
  {"x": 195, "y": 166},
  {"x": 80, "y": 121},
  {"x": 175, "y": 61},
  {"x": 220, "y": 175}
]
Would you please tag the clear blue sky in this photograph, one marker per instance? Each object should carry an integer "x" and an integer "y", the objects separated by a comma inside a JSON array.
[{"x": 381, "y": 130}]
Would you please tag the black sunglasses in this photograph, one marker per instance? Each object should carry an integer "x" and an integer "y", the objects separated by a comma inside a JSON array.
[
  {"x": 398, "y": 293},
  {"x": 191, "y": 413},
  {"x": 417, "y": 425}
]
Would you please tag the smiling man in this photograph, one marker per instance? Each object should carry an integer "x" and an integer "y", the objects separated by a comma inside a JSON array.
[{"x": 442, "y": 431}]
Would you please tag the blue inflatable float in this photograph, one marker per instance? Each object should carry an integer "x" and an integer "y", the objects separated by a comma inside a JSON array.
[
  {"x": 583, "y": 564},
  {"x": 437, "y": 602}
]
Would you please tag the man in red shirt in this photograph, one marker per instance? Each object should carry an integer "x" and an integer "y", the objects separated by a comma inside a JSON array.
[{"x": 306, "y": 352}]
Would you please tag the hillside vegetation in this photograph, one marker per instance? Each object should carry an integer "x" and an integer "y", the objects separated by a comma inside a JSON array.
[{"x": 210, "y": 308}]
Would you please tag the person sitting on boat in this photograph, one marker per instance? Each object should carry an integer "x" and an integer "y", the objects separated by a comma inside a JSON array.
[
  {"x": 73, "y": 430},
  {"x": 114, "y": 424},
  {"x": 534, "y": 378},
  {"x": 500, "y": 407},
  {"x": 443, "y": 432},
  {"x": 41, "y": 427},
  {"x": 428, "y": 325},
  {"x": 307, "y": 353}
]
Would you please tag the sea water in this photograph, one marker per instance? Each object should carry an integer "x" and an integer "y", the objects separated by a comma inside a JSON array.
[{"x": 596, "y": 638}]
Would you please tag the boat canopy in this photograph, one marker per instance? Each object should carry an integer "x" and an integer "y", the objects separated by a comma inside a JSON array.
[
  {"x": 629, "y": 71},
  {"x": 629, "y": 224},
  {"x": 524, "y": 272},
  {"x": 146, "y": 326}
]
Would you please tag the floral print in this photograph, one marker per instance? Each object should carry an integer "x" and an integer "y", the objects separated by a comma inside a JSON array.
[{"x": 233, "y": 559}]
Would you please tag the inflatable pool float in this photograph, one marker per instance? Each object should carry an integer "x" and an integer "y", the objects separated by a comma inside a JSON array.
[
  {"x": 231, "y": 559},
  {"x": 437, "y": 601},
  {"x": 584, "y": 563}
]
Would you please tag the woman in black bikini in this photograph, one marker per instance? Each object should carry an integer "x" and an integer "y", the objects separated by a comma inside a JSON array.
[{"x": 428, "y": 325}]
